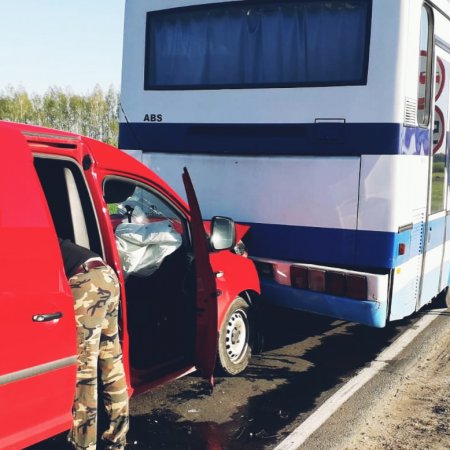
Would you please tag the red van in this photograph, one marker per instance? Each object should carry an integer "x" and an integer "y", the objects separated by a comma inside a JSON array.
[{"x": 187, "y": 307}]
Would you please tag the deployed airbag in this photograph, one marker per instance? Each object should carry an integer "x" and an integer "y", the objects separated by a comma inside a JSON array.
[{"x": 143, "y": 247}]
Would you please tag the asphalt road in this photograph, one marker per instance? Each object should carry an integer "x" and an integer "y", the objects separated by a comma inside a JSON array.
[
  {"x": 405, "y": 405},
  {"x": 304, "y": 361}
]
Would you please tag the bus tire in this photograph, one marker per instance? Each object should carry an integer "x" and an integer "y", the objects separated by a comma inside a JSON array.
[
  {"x": 443, "y": 299},
  {"x": 234, "y": 349}
]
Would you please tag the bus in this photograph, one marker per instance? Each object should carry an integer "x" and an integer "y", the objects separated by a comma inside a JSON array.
[{"x": 323, "y": 125}]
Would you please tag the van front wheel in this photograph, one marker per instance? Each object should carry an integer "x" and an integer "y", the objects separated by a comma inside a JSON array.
[{"x": 234, "y": 339}]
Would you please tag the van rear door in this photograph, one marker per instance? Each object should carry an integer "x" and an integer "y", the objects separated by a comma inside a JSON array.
[
  {"x": 37, "y": 323},
  {"x": 207, "y": 334}
]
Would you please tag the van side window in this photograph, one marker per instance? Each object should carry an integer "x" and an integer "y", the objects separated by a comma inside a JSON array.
[
  {"x": 147, "y": 228},
  {"x": 69, "y": 202}
]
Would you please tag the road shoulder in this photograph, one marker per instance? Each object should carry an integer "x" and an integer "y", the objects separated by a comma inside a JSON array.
[{"x": 406, "y": 405}]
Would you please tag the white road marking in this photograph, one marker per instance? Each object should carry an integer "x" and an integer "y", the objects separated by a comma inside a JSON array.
[{"x": 324, "y": 412}]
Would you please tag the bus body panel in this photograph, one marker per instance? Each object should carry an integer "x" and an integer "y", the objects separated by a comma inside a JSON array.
[
  {"x": 270, "y": 105},
  {"x": 298, "y": 206},
  {"x": 339, "y": 176},
  {"x": 280, "y": 192}
]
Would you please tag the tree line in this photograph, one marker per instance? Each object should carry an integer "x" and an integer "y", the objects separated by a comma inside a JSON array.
[{"x": 94, "y": 115}]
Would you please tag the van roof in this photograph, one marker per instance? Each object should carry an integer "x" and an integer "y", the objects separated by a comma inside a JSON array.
[
  {"x": 27, "y": 129},
  {"x": 105, "y": 156}
]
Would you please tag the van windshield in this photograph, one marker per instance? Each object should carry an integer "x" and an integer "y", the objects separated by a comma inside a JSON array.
[{"x": 258, "y": 44}]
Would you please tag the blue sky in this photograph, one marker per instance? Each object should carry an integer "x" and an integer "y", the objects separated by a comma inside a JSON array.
[{"x": 64, "y": 43}]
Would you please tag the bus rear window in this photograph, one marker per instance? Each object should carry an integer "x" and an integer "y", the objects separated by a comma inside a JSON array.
[{"x": 258, "y": 44}]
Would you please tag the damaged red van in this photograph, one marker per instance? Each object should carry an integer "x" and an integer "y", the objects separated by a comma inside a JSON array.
[{"x": 187, "y": 295}]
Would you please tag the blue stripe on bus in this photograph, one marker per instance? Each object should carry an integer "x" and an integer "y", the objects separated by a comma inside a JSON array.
[
  {"x": 325, "y": 246},
  {"x": 337, "y": 247},
  {"x": 365, "y": 312},
  {"x": 316, "y": 139}
]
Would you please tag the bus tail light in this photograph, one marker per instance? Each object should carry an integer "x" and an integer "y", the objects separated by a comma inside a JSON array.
[
  {"x": 357, "y": 286},
  {"x": 299, "y": 277},
  {"x": 265, "y": 270},
  {"x": 340, "y": 284},
  {"x": 316, "y": 280},
  {"x": 336, "y": 283}
]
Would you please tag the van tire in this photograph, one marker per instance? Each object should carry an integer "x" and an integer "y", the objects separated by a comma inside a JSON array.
[{"x": 234, "y": 349}]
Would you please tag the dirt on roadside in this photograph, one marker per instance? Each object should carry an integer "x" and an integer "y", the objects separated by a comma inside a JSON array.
[{"x": 417, "y": 414}]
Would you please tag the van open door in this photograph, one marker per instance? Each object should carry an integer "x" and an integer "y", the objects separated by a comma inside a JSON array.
[{"x": 206, "y": 334}]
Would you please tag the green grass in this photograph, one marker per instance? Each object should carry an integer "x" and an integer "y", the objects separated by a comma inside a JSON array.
[{"x": 437, "y": 187}]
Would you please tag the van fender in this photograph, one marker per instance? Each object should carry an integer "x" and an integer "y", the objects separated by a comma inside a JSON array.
[{"x": 235, "y": 275}]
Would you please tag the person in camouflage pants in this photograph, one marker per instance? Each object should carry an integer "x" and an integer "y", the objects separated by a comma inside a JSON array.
[{"x": 96, "y": 295}]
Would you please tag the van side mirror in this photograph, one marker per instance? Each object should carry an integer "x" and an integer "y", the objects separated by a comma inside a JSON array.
[{"x": 223, "y": 233}]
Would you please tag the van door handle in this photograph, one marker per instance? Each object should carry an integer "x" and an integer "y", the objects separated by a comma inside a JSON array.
[{"x": 47, "y": 317}]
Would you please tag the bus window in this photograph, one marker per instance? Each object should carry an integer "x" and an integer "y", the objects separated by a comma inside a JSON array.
[
  {"x": 425, "y": 67},
  {"x": 438, "y": 184},
  {"x": 258, "y": 44}
]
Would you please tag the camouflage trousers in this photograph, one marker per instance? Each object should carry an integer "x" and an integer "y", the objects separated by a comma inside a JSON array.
[{"x": 96, "y": 295}]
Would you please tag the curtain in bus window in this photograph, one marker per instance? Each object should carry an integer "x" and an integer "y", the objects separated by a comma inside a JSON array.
[{"x": 304, "y": 42}]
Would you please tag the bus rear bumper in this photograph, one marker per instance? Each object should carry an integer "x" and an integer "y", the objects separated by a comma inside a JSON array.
[{"x": 371, "y": 313}]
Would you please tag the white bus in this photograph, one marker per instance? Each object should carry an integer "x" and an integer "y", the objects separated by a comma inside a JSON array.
[{"x": 322, "y": 124}]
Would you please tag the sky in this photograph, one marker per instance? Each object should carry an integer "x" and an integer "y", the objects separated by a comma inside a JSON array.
[{"x": 71, "y": 44}]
